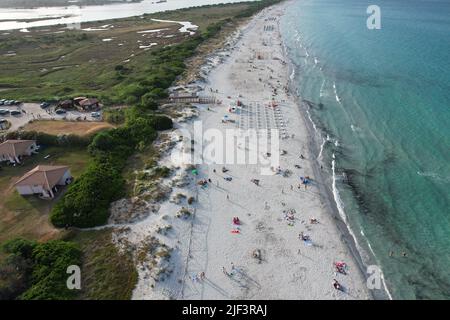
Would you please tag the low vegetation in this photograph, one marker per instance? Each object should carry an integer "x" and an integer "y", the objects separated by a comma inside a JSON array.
[
  {"x": 107, "y": 273},
  {"x": 38, "y": 269},
  {"x": 58, "y": 63}
]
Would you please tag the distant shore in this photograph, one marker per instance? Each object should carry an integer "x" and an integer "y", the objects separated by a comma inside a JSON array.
[
  {"x": 31, "y": 4},
  {"x": 14, "y": 18}
]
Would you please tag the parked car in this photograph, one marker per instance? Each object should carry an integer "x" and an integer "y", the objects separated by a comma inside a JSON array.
[
  {"x": 95, "y": 114},
  {"x": 60, "y": 111},
  {"x": 4, "y": 111},
  {"x": 3, "y": 120},
  {"x": 2, "y": 102},
  {"x": 15, "y": 112},
  {"x": 45, "y": 105}
]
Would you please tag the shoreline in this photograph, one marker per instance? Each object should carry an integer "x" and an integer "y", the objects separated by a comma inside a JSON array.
[
  {"x": 317, "y": 147},
  {"x": 314, "y": 145}
]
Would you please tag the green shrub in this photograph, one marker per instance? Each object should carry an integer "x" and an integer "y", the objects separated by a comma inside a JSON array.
[
  {"x": 148, "y": 102},
  {"x": 37, "y": 271},
  {"x": 114, "y": 116},
  {"x": 161, "y": 122},
  {"x": 87, "y": 200},
  {"x": 19, "y": 246},
  {"x": 49, "y": 275},
  {"x": 70, "y": 140},
  {"x": 161, "y": 172}
]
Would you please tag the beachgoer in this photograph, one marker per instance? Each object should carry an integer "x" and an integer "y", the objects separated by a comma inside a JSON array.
[
  {"x": 225, "y": 271},
  {"x": 337, "y": 285}
]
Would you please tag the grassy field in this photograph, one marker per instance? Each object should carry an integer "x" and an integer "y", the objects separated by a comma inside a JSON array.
[
  {"x": 50, "y": 63},
  {"x": 67, "y": 127},
  {"x": 28, "y": 216}
]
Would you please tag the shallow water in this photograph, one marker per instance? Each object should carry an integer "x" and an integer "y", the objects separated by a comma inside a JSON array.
[
  {"x": 16, "y": 18},
  {"x": 385, "y": 107}
]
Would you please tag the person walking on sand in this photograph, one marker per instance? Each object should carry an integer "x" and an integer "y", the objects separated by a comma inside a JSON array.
[
  {"x": 225, "y": 271},
  {"x": 232, "y": 268},
  {"x": 228, "y": 197},
  {"x": 202, "y": 275},
  {"x": 337, "y": 285}
]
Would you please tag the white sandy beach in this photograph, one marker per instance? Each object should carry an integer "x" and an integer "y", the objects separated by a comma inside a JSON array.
[{"x": 289, "y": 268}]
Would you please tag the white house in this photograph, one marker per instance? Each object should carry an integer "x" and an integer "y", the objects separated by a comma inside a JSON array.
[
  {"x": 43, "y": 180},
  {"x": 14, "y": 150}
]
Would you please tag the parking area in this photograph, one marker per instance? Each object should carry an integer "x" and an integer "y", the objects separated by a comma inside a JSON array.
[{"x": 19, "y": 115}]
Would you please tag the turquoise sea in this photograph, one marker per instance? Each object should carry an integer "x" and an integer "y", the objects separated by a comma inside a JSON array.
[{"x": 380, "y": 100}]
